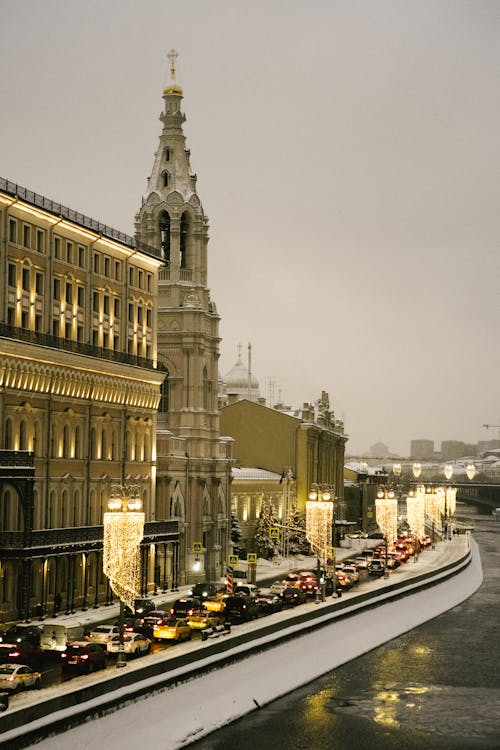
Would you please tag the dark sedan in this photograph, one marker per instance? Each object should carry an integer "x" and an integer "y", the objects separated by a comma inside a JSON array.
[{"x": 269, "y": 604}]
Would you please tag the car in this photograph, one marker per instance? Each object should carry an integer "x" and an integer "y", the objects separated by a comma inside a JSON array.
[
  {"x": 308, "y": 583},
  {"x": 103, "y": 633},
  {"x": 185, "y": 606},
  {"x": 134, "y": 644},
  {"x": 205, "y": 618},
  {"x": 215, "y": 603},
  {"x": 146, "y": 624},
  {"x": 292, "y": 579},
  {"x": 344, "y": 581},
  {"x": 352, "y": 572},
  {"x": 293, "y": 595},
  {"x": 363, "y": 563},
  {"x": 21, "y": 650},
  {"x": 247, "y": 589},
  {"x": 172, "y": 629},
  {"x": 240, "y": 608},
  {"x": 277, "y": 587},
  {"x": 16, "y": 677},
  {"x": 206, "y": 589},
  {"x": 83, "y": 656},
  {"x": 351, "y": 562},
  {"x": 269, "y": 604},
  {"x": 143, "y": 607},
  {"x": 22, "y": 632},
  {"x": 377, "y": 567}
]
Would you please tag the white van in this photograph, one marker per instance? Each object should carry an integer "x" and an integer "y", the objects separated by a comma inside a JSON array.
[
  {"x": 247, "y": 589},
  {"x": 55, "y": 635}
]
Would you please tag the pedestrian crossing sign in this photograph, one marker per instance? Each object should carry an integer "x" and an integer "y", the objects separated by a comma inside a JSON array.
[{"x": 232, "y": 560}]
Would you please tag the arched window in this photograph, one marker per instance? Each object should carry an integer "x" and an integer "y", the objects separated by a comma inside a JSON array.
[
  {"x": 23, "y": 439},
  {"x": 78, "y": 442},
  {"x": 165, "y": 179},
  {"x": 184, "y": 238},
  {"x": 167, "y": 154},
  {"x": 163, "y": 406},
  {"x": 66, "y": 441},
  {"x": 8, "y": 435},
  {"x": 165, "y": 236}
]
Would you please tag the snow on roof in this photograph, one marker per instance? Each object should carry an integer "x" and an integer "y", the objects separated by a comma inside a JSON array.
[{"x": 255, "y": 474}]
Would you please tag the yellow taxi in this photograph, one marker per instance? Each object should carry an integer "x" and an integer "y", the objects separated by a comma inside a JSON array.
[
  {"x": 205, "y": 618},
  {"x": 215, "y": 603},
  {"x": 172, "y": 629}
]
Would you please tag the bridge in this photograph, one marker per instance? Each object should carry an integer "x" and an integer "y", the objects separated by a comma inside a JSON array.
[{"x": 486, "y": 496}]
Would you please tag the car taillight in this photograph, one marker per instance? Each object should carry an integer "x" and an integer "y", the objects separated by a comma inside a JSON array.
[
  {"x": 10, "y": 679},
  {"x": 172, "y": 611},
  {"x": 14, "y": 654},
  {"x": 64, "y": 656},
  {"x": 190, "y": 611},
  {"x": 84, "y": 656}
]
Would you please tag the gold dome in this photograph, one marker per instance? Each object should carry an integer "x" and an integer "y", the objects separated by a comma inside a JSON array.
[{"x": 173, "y": 88}]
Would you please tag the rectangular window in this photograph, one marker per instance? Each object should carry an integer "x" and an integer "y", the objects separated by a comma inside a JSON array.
[
  {"x": 69, "y": 252},
  {"x": 69, "y": 294},
  {"x": 57, "y": 247},
  {"x": 38, "y": 323},
  {"x": 95, "y": 301},
  {"x": 118, "y": 270},
  {"x": 56, "y": 289},
  {"x": 12, "y": 274},
  {"x": 55, "y": 327},
  {"x": 141, "y": 278},
  {"x": 116, "y": 307},
  {"x": 106, "y": 266},
  {"x": 26, "y": 279},
  {"x": 11, "y": 316},
  {"x": 130, "y": 346},
  {"x": 79, "y": 333},
  {"x": 106, "y": 304},
  {"x": 96, "y": 262},
  {"x": 130, "y": 312},
  {"x": 105, "y": 340},
  {"x": 116, "y": 343},
  {"x": 40, "y": 240},
  {"x": 149, "y": 281},
  {"x": 81, "y": 256},
  {"x": 95, "y": 338},
  {"x": 149, "y": 316},
  {"x": 81, "y": 296},
  {"x": 131, "y": 276},
  {"x": 24, "y": 320},
  {"x": 67, "y": 331},
  {"x": 13, "y": 231},
  {"x": 139, "y": 315},
  {"x": 26, "y": 235},
  {"x": 39, "y": 282}
]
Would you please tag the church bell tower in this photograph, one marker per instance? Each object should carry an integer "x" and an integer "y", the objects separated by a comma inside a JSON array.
[{"x": 193, "y": 461}]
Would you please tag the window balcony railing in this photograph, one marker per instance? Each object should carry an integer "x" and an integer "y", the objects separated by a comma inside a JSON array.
[
  {"x": 47, "y": 204},
  {"x": 78, "y": 347},
  {"x": 81, "y": 535}
]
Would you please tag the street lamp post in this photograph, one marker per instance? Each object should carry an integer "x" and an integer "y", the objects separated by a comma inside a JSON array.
[
  {"x": 319, "y": 496},
  {"x": 123, "y": 532}
]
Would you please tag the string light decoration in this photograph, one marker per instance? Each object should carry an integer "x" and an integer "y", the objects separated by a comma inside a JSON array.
[
  {"x": 415, "y": 512},
  {"x": 123, "y": 532},
  {"x": 319, "y": 517},
  {"x": 386, "y": 513},
  {"x": 435, "y": 504}
]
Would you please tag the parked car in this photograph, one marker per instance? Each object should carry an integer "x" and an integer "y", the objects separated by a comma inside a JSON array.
[
  {"x": 172, "y": 629},
  {"x": 269, "y": 604},
  {"x": 104, "y": 633},
  {"x": 293, "y": 596},
  {"x": 205, "y": 618},
  {"x": 16, "y": 677},
  {"x": 83, "y": 656},
  {"x": 134, "y": 644},
  {"x": 185, "y": 606},
  {"x": 240, "y": 608},
  {"x": 247, "y": 589}
]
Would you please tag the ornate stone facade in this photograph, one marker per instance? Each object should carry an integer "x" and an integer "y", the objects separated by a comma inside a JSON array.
[{"x": 193, "y": 461}]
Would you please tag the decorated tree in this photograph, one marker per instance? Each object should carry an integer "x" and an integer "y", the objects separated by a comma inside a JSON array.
[
  {"x": 297, "y": 541},
  {"x": 236, "y": 532},
  {"x": 266, "y": 547}
]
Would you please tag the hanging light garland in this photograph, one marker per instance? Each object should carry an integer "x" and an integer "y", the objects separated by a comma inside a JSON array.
[
  {"x": 386, "y": 512},
  {"x": 123, "y": 532},
  {"x": 415, "y": 512}
]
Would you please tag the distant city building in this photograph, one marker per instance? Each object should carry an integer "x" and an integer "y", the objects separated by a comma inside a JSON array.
[
  {"x": 422, "y": 448},
  {"x": 451, "y": 449},
  {"x": 379, "y": 450}
]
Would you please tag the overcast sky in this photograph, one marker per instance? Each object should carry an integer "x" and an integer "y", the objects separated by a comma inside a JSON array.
[{"x": 347, "y": 156}]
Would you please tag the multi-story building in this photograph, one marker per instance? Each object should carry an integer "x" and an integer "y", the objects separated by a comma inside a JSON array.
[
  {"x": 79, "y": 391},
  {"x": 422, "y": 448},
  {"x": 193, "y": 460},
  {"x": 451, "y": 449}
]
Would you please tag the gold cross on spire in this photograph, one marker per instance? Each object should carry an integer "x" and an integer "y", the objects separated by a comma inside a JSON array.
[{"x": 172, "y": 56}]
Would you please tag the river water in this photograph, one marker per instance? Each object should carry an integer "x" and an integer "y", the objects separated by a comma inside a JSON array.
[{"x": 436, "y": 687}]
